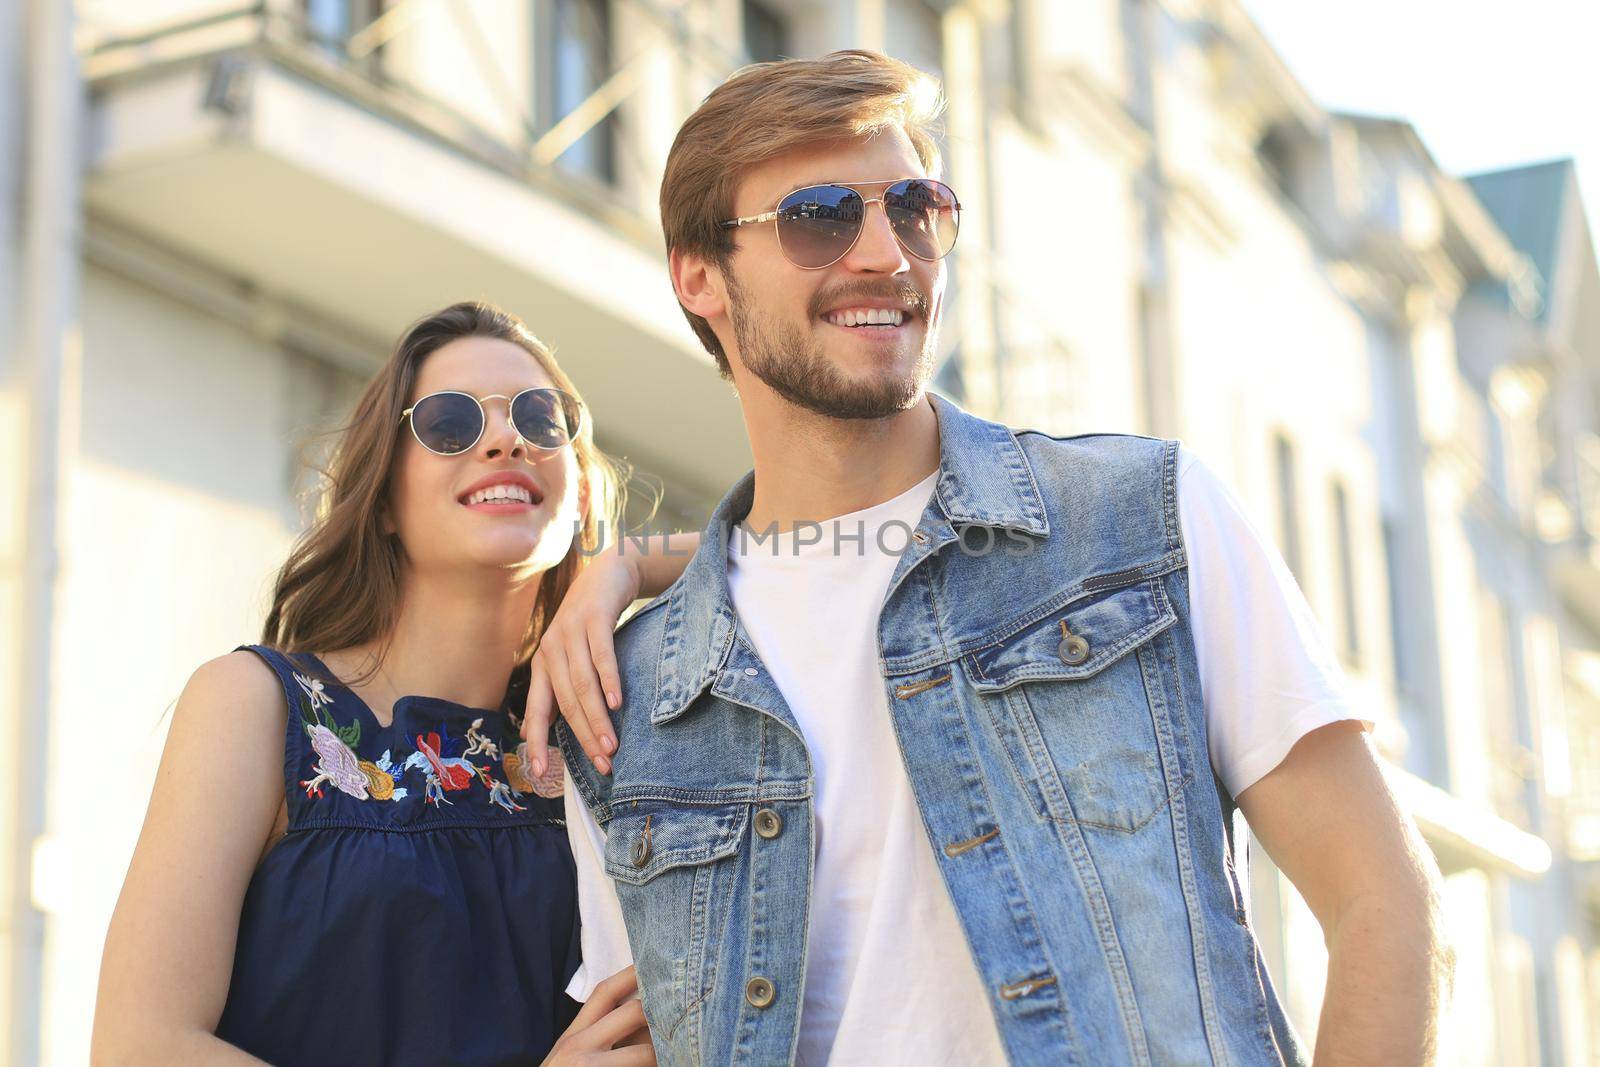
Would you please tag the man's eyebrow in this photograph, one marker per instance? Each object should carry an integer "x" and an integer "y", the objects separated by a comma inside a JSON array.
[
  {"x": 848, "y": 184},
  {"x": 803, "y": 185}
]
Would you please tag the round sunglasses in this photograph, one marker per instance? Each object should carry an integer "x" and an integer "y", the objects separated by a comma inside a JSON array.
[
  {"x": 450, "y": 422},
  {"x": 819, "y": 224}
]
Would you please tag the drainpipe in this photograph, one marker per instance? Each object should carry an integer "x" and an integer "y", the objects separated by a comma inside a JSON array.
[
  {"x": 12, "y": 477},
  {"x": 49, "y": 374},
  {"x": 1141, "y": 32},
  {"x": 975, "y": 290}
]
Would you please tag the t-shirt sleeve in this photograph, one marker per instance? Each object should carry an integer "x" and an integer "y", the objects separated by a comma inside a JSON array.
[
  {"x": 604, "y": 936},
  {"x": 1268, "y": 676}
]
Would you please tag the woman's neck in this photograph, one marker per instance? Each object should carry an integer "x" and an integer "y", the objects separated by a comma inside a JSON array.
[{"x": 454, "y": 640}]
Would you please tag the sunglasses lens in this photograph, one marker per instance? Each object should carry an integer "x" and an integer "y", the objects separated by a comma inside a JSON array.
[
  {"x": 447, "y": 423},
  {"x": 546, "y": 418},
  {"x": 817, "y": 224},
  {"x": 925, "y": 216}
]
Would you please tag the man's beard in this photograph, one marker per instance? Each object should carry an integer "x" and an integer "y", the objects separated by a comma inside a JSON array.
[{"x": 792, "y": 363}]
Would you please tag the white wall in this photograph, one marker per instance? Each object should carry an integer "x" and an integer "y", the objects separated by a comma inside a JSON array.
[{"x": 179, "y": 512}]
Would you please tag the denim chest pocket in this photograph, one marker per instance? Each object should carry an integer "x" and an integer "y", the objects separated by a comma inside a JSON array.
[
  {"x": 1069, "y": 695},
  {"x": 675, "y": 867}
]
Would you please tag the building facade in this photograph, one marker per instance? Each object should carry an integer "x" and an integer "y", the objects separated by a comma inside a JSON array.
[{"x": 216, "y": 217}]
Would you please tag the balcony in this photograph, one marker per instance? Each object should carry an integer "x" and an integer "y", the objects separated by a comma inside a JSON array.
[{"x": 243, "y": 144}]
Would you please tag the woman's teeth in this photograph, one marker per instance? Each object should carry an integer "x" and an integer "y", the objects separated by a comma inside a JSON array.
[
  {"x": 501, "y": 494},
  {"x": 867, "y": 317}
]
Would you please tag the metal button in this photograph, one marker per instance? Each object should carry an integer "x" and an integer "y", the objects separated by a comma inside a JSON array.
[
  {"x": 759, "y": 992},
  {"x": 1073, "y": 650},
  {"x": 769, "y": 824},
  {"x": 751, "y": 671}
]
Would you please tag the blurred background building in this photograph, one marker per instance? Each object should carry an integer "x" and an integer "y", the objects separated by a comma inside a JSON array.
[{"x": 215, "y": 218}]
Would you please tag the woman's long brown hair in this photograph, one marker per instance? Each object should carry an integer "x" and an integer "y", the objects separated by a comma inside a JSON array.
[{"x": 341, "y": 584}]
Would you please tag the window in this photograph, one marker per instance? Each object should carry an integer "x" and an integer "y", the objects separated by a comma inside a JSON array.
[
  {"x": 331, "y": 22},
  {"x": 1397, "y": 612},
  {"x": 1288, "y": 513},
  {"x": 577, "y": 61},
  {"x": 766, "y": 35},
  {"x": 1018, "y": 59},
  {"x": 914, "y": 32},
  {"x": 1351, "y": 645}
]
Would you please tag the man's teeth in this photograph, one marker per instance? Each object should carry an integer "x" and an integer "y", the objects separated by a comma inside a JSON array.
[
  {"x": 501, "y": 493},
  {"x": 867, "y": 317}
]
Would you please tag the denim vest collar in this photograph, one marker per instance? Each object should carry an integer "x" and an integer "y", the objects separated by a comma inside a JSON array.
[{"x": 984, "y": 480}]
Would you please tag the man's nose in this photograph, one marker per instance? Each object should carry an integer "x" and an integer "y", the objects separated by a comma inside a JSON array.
[{"x": 876, "y": 250}]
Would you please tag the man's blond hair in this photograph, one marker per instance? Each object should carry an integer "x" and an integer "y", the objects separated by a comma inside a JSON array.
[{"x": 766, "y": 109}]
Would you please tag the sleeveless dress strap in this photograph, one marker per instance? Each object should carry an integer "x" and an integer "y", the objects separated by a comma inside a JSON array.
[{"x": 295, "y": 745}]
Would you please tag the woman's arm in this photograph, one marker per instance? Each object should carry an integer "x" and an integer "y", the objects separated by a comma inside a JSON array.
[
  {"x": 575, "y": 666},
  {"x": 665, "y": 560},
  {"x": 169, "y": 951}
]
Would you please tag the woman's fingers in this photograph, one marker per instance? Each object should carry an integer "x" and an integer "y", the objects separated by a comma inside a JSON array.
[
  {"x": 536, "y": 714},
  {"x": 612, "y": 1028},
  {"x": 640, "y": 1036},
  {"x": 607, "y": 994},
  {"x": 583, "y": 666},
  {"x": 609, "y": 1030},
  {"x": 567, "y": 704},
  {"x": 603, "y": 650}
]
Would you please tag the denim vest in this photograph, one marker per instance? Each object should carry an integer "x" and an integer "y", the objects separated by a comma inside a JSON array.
[{"x": 1036, "y": 651}]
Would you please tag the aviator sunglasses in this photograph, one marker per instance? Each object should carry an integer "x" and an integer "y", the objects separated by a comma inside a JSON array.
[
  {"x": 450, "y": 422},
  {"x": 819, "y": 224}
]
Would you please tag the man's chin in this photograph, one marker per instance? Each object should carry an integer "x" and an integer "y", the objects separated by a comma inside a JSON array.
[{"x": 864, "y": 399}]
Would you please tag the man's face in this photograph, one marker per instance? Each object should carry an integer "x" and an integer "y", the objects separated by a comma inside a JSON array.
[{"x": 791, "y": 326}]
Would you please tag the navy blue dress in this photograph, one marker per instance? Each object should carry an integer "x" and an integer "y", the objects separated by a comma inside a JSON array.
[{"x": 422, "y": 907}]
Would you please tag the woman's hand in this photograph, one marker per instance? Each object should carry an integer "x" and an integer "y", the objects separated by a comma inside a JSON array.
[
  {"x": 575, "y": 665},
  {"x": 609, "y": 1031}
]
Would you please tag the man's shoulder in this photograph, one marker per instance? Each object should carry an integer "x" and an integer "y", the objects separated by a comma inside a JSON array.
[{"x": 1104, "y": 449}]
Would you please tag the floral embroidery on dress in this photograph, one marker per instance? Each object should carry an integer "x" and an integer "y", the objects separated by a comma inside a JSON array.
[
  {"x": 519, "y": 771},
  {"x": 382, "y": 776},
  {"x": 499, "y": 792},
  {"x": 442, "y": 772},
  {"x": 333, "y": 744},
  {"x": 441, "y": 758},
  {"x": 336, "y": 764},
  {"x": 477, "y": 743}
]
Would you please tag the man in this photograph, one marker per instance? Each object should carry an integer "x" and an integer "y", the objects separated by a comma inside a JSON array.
[{"x": 944, "y": 769}]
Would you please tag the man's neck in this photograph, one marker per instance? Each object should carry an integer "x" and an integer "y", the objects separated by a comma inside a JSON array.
[{"x": 810, "y": 468}]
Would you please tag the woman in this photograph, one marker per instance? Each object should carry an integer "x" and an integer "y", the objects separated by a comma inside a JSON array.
[{"x": 346, "y": 856}]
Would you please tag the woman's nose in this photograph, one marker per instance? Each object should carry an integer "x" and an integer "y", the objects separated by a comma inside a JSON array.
[{"x": 499, "y": 436}]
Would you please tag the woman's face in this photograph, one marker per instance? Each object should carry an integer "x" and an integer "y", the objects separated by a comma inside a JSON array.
[{"x": 429, "y": 493}]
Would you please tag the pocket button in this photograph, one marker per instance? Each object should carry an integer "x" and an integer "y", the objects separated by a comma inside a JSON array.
[{"x": 1074, "y": 650}]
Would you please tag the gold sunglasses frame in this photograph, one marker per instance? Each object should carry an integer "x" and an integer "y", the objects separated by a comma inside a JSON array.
[
  {"x": 772, "y": 217},
  {"x": 572, "y": 434}
]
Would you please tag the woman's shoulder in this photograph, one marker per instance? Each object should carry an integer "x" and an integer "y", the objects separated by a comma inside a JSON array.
[
  {"x": 239, "y": 685},
  {"x": 242, "y": 671}
]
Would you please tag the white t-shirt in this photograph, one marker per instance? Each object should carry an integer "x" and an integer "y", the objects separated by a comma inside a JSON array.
[{"x": 888, "y": 975}]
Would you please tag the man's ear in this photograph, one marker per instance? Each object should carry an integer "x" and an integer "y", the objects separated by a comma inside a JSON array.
[{"x": 698, "y": 284}]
